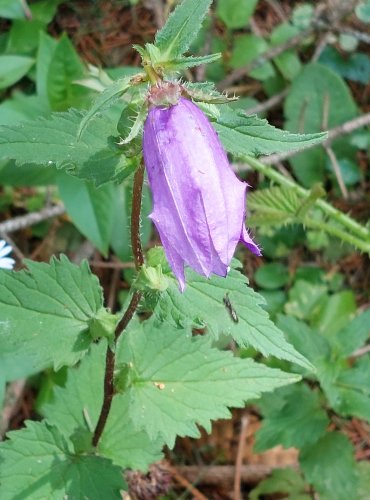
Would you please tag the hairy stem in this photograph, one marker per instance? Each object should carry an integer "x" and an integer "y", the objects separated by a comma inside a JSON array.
[
  {"x": 351, "y": 231},
  {"x": 130, "y": 311}
]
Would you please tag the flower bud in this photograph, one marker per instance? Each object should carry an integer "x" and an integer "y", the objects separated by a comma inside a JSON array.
[{"x": 199, "y": 203}]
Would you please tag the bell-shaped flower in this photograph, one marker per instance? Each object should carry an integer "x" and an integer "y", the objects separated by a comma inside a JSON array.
[{"x": 199, "y": 203}]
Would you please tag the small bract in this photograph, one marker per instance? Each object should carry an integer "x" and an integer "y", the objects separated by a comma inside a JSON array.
[{"x": 199, "y": 203}]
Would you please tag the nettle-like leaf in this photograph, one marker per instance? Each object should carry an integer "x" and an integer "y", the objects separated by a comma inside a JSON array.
[
  {"x": 53, "y": 143},
  {"x": 249, "y": 135},
  {"x": 37, "y": 462},
  {"x": 300, "y": 422},
  {"x": 175, "y": 382},
  {"x": 46, "y": 314},
  {"x": 103, "y": 101},
  {"x": 273, "y": 206},
  {"x": 203, "y": 304},
  {"x": 181, "y": 28},
  {"x": 331, "y": 458},
  {"x": 75, "y": 410}
]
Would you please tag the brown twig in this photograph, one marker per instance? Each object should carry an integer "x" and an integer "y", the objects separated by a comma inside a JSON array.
[
  {"x": 337, "y": 172},
  {"x": 239, "y": 458},
  {"x": 185, "y": 483},
  {"x": 23, "y": 221},
  {"x": 130, "y": 311},
  {"x": 13, "y": 398}
]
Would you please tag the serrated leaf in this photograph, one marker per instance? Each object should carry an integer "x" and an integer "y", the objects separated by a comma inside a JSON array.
[
  {"x": 330, "y": 466},
  {"x": 282, "y": 481},
  {"x": 273, "y": 206},
  {"x": 249, "y": 135},
  {"x": 37, "y": 462},
  {"x": 182, "y": 63},
  {"x": 177, "y": 382},
  {"x": 300, "y": 422},
  {"x": 45, "y": 314},
  {"x": 75, "y": 410},
  {"x": 91, "y": 208},
  {"x": 104, "y": 100},
  {"x": 202, "y": 303},
  {"x": 136, "y": 126},
  {"x": 354, "y": 334},
  {"x": 181, "y": 27},
  {"x": 52, "y": 142}
]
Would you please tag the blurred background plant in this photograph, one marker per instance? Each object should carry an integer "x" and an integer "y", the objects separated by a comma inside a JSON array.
[{"x": 306, "y": 67}]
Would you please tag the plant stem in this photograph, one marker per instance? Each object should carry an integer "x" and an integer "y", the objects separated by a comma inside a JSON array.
[
  {"x": 130, "y": 311},
  {"x": 360, "y": 236}
]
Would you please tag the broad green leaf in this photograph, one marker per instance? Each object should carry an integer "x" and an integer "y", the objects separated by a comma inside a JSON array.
[
  {"x": 12, "y": 9},
  {"x": 21, "y": 107},
  {"x": 288, "y": 62},
  {"x": 13, "y": 68},
  {"x": 300, "y": 422},
  {"x": 202, "y": 303},
  {"x": 247, "y": 48},
  {"x": 181, "y": 28},
  {"x": 37, "y": 462},
  {"x": 350, "y": 391},
  {"x": 26, "y": 175},
  {"x": 64, "y": 69},
  {"x": 282, "y": 481},
  {"x": 306, "y": 300},
  {"x": 45, "y": 54},
  {"x": 46, "y": 313},
  {"x": 249, "y": 135},
  {"x": 52, "y": 142},
  {"x": 318, "y": 99},
  {"x": 105, "y": 99},
  {"x": 355, "y": 67},
  {"x": 23, "y": 36},
  {"x": 363, "y": 471},
  {"x": 271, "y": 276},
  {"x": 307, "y": 341},
  {"x": 75, "y": 410},
  {"x": 329, "y": 466},
  {"x": 44, "y": 10},
  {"x": 90, "y": 208},
  {"x": 176, "y": 382},
  {"x": 363, "y": 11},
  {"x": 354, "y": 334},
  {"x": 336, "y": 312},
  {"x": 235, "y": 13}
]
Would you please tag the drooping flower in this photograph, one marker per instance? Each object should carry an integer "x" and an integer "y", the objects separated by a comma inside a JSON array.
[
  {"x": 199, "y": 203},
  {"x": 5, "y": 262}
]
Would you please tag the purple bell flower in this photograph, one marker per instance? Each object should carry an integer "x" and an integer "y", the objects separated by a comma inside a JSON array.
[{"x": 199, "y": 203}]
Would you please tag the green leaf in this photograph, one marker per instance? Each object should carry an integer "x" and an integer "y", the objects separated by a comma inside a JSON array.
[
  {"x": 355, "y": 67},
  {"x": 330, "y": 466},
  {"x": 75, "y": 409},
  {"x": 37, "y": 462},
  {"x": 336, "y": 312},
  {"x": 235, "y": 13},
  {"x": 300, "y": 422},
  {"x": 53, "y": 143},
  {"x": 90, "y": 208},
  {"x": 202, "y": 303},
  {"x": 64, "y": 69},
  {"x": 45, "y": 314},
  {"x": 318, "y": 99},
  {"x": 288, "y": 62},
  {"x": 250, "y": 135},
  {"x": 273, "y": 206},
  {"x": 282, "y": 481},
  {"x": 182, "y": 63},
  {"x": 350, "y": 392},
  {"x": 363, "y": 11},
  {"x": 363, "y": 470},
  {"x": 105, "y": 100},
  {"x": 306, "y": 300},
  {"x": 45, "y": 54},
  {"x": 182, "y": 382},
  {"x": 181, "y": 28},
  {"x": 13, "y": 68},
  {"x": 307, "y": 341},
  {"x": 272, "y": 276},
  {"x": 12, "y": 9},
  {"x": 354, "y": 334},
  {"x": 246, "y": 48}
]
